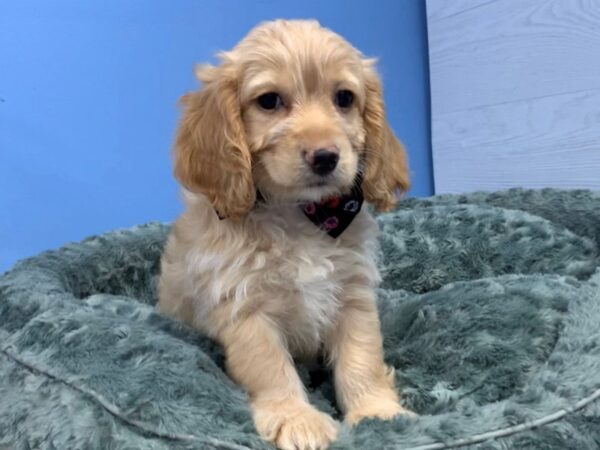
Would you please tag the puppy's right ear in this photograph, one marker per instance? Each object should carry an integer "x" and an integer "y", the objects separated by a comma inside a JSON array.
[{"x": 211, "y": 153}]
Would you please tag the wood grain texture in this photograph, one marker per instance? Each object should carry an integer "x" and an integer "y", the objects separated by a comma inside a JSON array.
[{"x": 515, "y": 91}]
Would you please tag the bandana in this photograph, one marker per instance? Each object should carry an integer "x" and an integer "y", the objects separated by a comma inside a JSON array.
[{"x": 334, "y": 214}]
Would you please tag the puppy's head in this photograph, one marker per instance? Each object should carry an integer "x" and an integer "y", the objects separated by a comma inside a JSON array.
[{"x": 293, "y": 111}]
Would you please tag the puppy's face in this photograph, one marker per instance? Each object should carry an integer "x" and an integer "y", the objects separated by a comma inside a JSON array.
[
  {"x": 293, "y": 111},
  {"x": 302, "y": 92}
]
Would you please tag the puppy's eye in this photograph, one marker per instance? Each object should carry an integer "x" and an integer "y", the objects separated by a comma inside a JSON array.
[
  {"x": 270, "y": 101},
  {"x": 344, "y": 98}
]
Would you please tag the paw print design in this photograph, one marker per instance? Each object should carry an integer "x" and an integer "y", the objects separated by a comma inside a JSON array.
[
  {"x": 334, "y": 202},
  {"x": 310, "y": 208},
  {"x": 331, "y": 223},
  {"x": 351, "y": 206}
]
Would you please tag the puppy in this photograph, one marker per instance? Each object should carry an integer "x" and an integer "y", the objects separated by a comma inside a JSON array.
[{"x": 274, "y": 256}]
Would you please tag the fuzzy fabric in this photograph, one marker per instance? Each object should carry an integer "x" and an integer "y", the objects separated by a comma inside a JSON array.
[{"x": 490, "y": 309}]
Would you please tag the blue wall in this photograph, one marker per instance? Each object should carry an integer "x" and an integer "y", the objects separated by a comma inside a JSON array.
[{"x": 88, "y": 94}]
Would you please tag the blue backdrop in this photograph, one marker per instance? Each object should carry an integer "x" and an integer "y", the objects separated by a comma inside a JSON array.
[{"x": 88, "y": 93}]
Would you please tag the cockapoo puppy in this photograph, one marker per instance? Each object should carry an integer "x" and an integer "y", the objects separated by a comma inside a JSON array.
[{"x": 274, "y": 256}]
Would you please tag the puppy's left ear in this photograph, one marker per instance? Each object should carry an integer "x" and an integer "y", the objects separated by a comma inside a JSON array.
[{"x": 386, "y": 166}]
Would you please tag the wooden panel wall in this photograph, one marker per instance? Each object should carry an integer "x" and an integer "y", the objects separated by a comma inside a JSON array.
[{"x": 515, "y": 92}]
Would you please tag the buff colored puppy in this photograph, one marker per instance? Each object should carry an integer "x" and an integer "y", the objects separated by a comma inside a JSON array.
[{"x": 273, "y": 256}]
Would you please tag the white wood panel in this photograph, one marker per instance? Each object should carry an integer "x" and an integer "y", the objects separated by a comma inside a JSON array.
[{"x": 515, "y": 92}]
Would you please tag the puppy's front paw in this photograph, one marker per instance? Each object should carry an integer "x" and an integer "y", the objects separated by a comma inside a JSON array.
[
  {"x": 382, "y": 407},
  {"x": 294, "y": 426}
]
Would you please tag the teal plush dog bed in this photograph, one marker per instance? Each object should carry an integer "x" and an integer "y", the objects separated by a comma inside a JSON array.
[{"x": 490, "y": 309}]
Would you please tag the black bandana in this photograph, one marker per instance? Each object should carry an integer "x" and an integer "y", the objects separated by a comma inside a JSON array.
[{"x": 334, "y": 214}]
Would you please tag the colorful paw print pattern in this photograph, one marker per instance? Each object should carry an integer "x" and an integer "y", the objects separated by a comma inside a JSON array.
[
  {"x": 331, "y": 223},
  {"x": 335, "y": 214},
  {"x": 352, "y": 206}
]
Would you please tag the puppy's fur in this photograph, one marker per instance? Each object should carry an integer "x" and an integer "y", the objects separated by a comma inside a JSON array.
[{"x": 265, "y": 282}]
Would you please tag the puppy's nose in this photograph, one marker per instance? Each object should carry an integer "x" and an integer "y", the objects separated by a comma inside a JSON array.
[{"x": 323, "y": 160}]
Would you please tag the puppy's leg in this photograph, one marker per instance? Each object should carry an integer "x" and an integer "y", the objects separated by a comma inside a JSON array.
[
  {"x": 364, "y": 384},
  {"x": 258, "y": 360}
]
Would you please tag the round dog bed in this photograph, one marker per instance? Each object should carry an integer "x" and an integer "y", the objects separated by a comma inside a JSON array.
[{"x": 490, "y": 310}]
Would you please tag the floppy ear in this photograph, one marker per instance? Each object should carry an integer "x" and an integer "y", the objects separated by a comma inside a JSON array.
[
  {"x": 211, "y": 154},
  {"x": 386, "y": 166}
]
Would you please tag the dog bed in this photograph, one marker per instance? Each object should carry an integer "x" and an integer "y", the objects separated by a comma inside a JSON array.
[{"x": 490, "y": 310}]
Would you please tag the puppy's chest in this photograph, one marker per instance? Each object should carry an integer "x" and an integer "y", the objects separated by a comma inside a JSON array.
[
  {"x": 294, "y": 273},
  {"x": 304, "y": 261},
  {"x": 312, "y": 274},
  {"x": 312, "y": 284},
  {"x": 308, "y": 271}
]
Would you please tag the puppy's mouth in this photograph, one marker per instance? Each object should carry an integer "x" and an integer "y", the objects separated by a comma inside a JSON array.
[
  {"x": 318, "y": 183},
  {"x": 334, "y": 180},
  {"x": 316, "y": 188},
  {"x": 342, "y": 179}
]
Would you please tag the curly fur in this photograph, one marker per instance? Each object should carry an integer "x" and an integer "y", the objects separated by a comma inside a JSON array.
[{"x": 266, "y": 283}]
